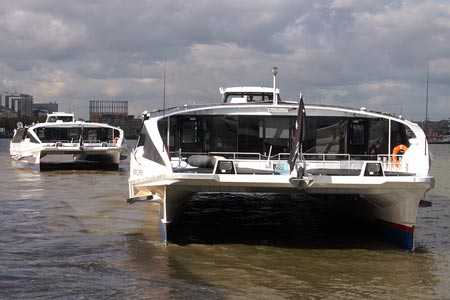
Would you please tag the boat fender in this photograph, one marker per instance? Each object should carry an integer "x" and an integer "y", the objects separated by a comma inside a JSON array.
[
  {"x": 203, "y": 161},
  {"x": 395, "y": 152}
]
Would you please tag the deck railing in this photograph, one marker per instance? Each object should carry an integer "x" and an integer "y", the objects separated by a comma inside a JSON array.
[
  {"x": 318, "y": 163},
  {"x": 346, "y": 164},
  {"x": 244, "y": 162},
  {"x": 75, "y": 143}
]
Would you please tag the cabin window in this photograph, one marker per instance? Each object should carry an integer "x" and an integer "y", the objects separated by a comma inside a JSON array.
[
  {"x": 150, "y": 151},
  {"x": 224, "y": 133},
  {"x": 116, "y": 133},
  {"x": 192, "y": 134},
  {"x": 378, "y": 133},
  {"x": 53, "y": 119},
  {"x": 219, "y": 133},
  {"x": 331, "y": 135},
  {"x": 73, "y": 134},
  {"x": 249, "y": 139},
  {"x": 398, "y": 134},
  {"x": 277, "y": 134},
  {"x": 249, "y": 97},
  {"x": 141, "y": 138},
  {"x": 90, "y": 134},
  {"x": 95, "y": 135},
  {"x": 40, "y": 132},
  {"x": 189, "y": 131},
  {"x": 173, "y": 132},
  {"x": 277, "y": 128},
  {"x": 32, "y": 138},
  {"x": 357, "y": 136},
  {"x": 59, "y": 134}
]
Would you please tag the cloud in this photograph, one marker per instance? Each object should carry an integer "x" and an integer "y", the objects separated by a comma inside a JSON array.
[
  {"x": 343, "y": 52},
  {"x": 383, "y": 86}
]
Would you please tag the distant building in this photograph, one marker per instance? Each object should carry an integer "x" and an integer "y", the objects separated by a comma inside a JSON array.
[
  {"x": 114, "y": 113},
  {"x": 20, "y": 103},
  {"x": 7, "y": 113},
  {"x": 107, "y": 111},
  {"x": 42, "y": 109}
]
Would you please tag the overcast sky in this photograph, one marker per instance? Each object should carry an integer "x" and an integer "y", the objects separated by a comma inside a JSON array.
[{"x": 343, "y": 52}]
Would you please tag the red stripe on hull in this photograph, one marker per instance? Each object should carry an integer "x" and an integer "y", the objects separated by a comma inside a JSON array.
[{"x": 397, "y": 226}]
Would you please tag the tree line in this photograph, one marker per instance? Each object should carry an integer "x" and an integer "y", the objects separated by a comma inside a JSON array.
[{"x": 10, "y": 123}]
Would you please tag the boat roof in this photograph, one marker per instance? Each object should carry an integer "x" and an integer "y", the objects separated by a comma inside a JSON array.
[
  {"x": 265, "y": 108},
  {"x": 75, "y": 124},
  {"x": 268, "y": 107},
  {"x": 67, "y": 120}
]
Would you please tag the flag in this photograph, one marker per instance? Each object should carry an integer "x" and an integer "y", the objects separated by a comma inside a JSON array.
[{"x": 299, "y": 135}]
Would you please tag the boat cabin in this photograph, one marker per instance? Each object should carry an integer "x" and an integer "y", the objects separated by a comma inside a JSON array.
[
  {"x": 246, "y": 94},
  {"x": 60, "y": 117},
  {"x": 73, "y": 134},
  {"x": 337, "y": 136}
]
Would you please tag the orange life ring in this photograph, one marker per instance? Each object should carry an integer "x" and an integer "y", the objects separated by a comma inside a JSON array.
[{"x": 395, "y": 152}]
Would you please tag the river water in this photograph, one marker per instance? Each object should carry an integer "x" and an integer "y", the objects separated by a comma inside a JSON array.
[{"x": 71, "y": 235}]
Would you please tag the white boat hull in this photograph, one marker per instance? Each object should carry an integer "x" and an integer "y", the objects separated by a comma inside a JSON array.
[
  {"x": 391, "y": 201},
  {"x": 72, "y": 157}
]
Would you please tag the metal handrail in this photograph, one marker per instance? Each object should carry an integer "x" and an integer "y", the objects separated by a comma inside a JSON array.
[
  {"x": 238, "y": 158},
  {"x": 324, "y": 155},
  {"x": 324, "y": 163},
  {"x": 235, "y": 155}
]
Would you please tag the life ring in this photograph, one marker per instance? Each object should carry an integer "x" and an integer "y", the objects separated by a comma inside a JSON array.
[{"x": 399, "y": 148}]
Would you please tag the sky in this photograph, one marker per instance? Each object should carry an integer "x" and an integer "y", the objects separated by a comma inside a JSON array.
[{"x": 353, "y": 53}]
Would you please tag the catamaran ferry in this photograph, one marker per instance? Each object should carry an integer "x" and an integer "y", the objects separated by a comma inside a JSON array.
[
  {"x": 252, "y": 141},
  {"x": 64, "y": 143}
]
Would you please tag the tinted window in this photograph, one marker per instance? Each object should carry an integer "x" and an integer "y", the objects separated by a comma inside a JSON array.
[
  {"x": 224, "y": 133},
  {"x": 250, "y": 137},
  {"x": 150, "y": 151},
  {"x": 330, "y": 135}
]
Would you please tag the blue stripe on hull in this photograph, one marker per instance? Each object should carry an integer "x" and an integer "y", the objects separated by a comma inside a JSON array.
[
  {"x": 26, "y": 164},
  {"x": 399, "y": 235}
]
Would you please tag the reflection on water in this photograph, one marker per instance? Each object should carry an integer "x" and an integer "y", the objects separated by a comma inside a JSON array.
[{"x": 71, "y": 235}]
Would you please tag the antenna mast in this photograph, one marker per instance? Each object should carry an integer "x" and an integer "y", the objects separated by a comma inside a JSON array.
[
  {"x": 275, "y": 98},
  {"x": 425, "y": 127},
  {"x": 164, "y": 89},
  {"x": 167, "y": 147}
]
